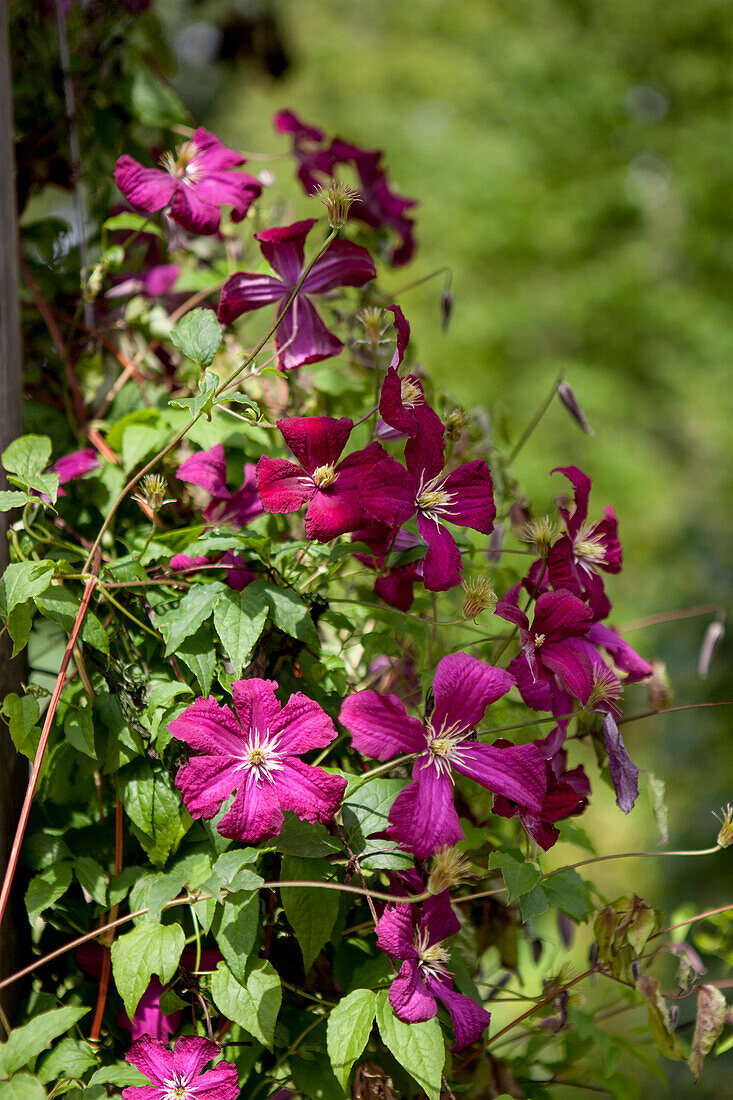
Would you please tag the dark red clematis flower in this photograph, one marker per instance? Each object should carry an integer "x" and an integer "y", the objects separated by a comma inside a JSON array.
[
  {"x": 301, "y": 336},
  {"x": 396, "y": 584},
  {"x": 315, "y": 163}
]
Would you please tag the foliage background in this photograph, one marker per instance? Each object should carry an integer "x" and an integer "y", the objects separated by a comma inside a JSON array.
[{"x": 573, "y": 164}]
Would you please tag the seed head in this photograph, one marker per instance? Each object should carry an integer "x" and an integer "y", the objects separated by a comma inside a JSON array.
[
  {"x": 152, "y": 492},
  {"x": 660, "y": 688},
  {"x": 337, "y": 198},
  {"x": 480, "y": 596},
  {"x": 606, "y": 689},
  {"x": 455, "y": 422},
  {"x": 448, "y": 868},
  {"x": 725, "y": 817},
  {"x": 372, "y": 318},
  {"x": 540, "y": 533}
]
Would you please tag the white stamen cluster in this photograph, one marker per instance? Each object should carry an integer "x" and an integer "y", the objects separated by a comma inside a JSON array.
[
  {"x": 444, "y": 746},
  {"x": 431, "y": 959},
  {"x": 411, "y": 393},
  {"x": 261, "y": 756},
  {"x": 182, "y": 163},
  {"x": 588, "y": 548},
  {"x": 432, "y": 499},
  {"x": 176, "y": 1087}
]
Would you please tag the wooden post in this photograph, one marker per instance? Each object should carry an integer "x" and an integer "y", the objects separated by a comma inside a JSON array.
[{"x": 13, "y": 768}]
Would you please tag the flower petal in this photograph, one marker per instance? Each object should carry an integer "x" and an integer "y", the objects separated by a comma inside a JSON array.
[
  {"x": 255, "y": 813},
  {"x": 342, "y": 264},
  {"x": 303, "y": 725},
  {"x": 151, "y": 1058},
  {"x": 147, "y": 189},
  {"x": 469, "y": 1019},
  {"x": 246, "y": 291},
  {"x": 396, "y": 932},
  {"x": 302, "y": 337},
  {"x": 409, "y": 998},
  {"x": 581, "y": 484},
  {"x": 206, "y": 782},
  {"x": 517, "y": 772},
  {"x": 191, "y": 1053},
  {"x": 473, "y": 497},
  {"x": 571, "y": 666},
  {"x": 380, "y": 726},
  {"x": 442, "y": 564},
  {"x": 402, "y": 327},
  {"x": 560, "y": 615},
  {"x": 463, "y": 688},
  {"x": 316, "y": 440},
  {"x": 423, "y": 817},
  {"x": 387, "y": 493},
  {"x": 440, "y": 920},
  {"x": 219, "y": 1083},
  {"x": 235, "y": 189},
  {"x": 195, "y": 213},
  {"x": 624, "y": 657},
  {"x": 284, "y": 248},
  {"x": 212, "y": 154},
  {"x": 207, "y": 469},
  {"x": 283, "y": 487},
  {"x": 256, "y": 705},
  {"x": 310, "y": 792},
  {"x": 209, "y": 728},
  {"x": 76, "y": 464}
]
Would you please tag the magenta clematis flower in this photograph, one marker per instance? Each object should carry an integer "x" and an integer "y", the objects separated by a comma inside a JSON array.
[
  {"x": 176, "y": 1074},
  {"x": 194, "y": 182},
  {"x": 396, "y": 584},
  {"x": 148, "y": 1019},
  {"x": 208, "y": 470},
  {"x": 315, "y": 163},
  {"x": 74, "y": 465},
  {"x": 423, "y": 817},
  {"x": 576, "y": 557},
  {"x": 417, "y": 939},
  {"x": 255, "y": 752},
  {"x": 327, "y": 486},
  {"x": 301, "y": 336},
  {"x": 567, "y": 793},
  {"x": 392, "y": 494},
  {"x": 402, "y": 403}
]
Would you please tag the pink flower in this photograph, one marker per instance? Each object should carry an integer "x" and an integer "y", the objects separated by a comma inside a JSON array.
[
  {"x": 176, "y": 1074},
  {"x": 392, "y": 494},
  {"x": 404, "y": 932},
  {"x": 301, "y": 336},
  {"x": 192, "y": 185},
  {"x": 208, "y": 469},
  {"x": 314, "y": 162},
  {"x": 423, "y": 817},
  {"x": 148, "y": 1019},
  {"x": 327, "y": 486},
  {"x": 255, "y": 752}
]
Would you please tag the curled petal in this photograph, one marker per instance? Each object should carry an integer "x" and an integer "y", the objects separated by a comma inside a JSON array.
[
  {"x": 284, "y": 248},
  {"x": 302, "y": 337},
  {"x": 409, "y": 998},
  {"x": 469, "y": 1019},
  {"x": 581, "y": 484},
  {"x": 380, "y": 726},
  {"x": 402, "y": 326},
  {"x": 442, "y": 565},
  {"x": 440, "y": 920},
  {"x": 624, "y": 657},
  {"x": 560, "y": 615},
  {"x": 246, "y": 291},
  {"x": 571, "y": 666}
]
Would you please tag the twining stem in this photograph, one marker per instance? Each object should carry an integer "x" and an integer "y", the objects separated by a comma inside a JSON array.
[
  {"x": 535, "y": 419},
  {"x": 631, "y": 855},
  {"x": 671, "y": 617},
  {"x": 693, "y": 920},
  {"x": 540, "y": 1004}
]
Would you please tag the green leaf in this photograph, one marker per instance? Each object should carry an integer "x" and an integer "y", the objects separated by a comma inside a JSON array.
[
  {"x": 10, "y": 498},
  {"x": 22, "y": 581},
  {"x": 203, "y": 401},
  {"x": 192, "y": 611},
  {"x": 232, "y": 871},
  {"x": 162, "y": 890},
  {"x": 154, "y": 807},
  {"x": 198, "y": 334},
  {"x": 711, "y": 1015},
  {"x": 92, "y": 877},
  {"x": 163, "y": 692},
  {"x": 567, "y": 891},
  {"x": 289, "y": 613},
  {"x": 148, "y": 949},
  {"x": 312, "y": 912},
  {"x": 26, "y": 1042},
  {"x": 60, "y": 606},
  {"x": 300, "y": 838},
  {"x": 134, "y": 223},
  {"x": 79, "y": 729},
  {"x": 236, "y": 928},
  {"x": 366, "y": 810},
  {"x": 349, "y": 1027},
  {"x": 197, "y": 653},
  {"x": 519, "y": 877},
  {"x": 239, "y": 618},
  {"x": 534, "y": 903},
  {"x": 314, "y": 1080},
  {"x": 154, "y": 103},
  {"x": 19, "y": 627},
  {"x": 22, "y": 1087},
  {"x": 27, "y": 456},
  {"x": 69, "y": 1058},
  {"x": 253, "y": 1006},
  {"x": 419, "y": 1048},
  {"x": 21, "y": 713},
  {"x": 139, "y": 441},
  {"x": 46, "y": 888},
  {"x": 121, "y": 1073}
]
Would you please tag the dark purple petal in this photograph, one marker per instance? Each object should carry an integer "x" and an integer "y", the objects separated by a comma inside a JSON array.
[
  {"x": 255, "y": 813},
  {"x": 147, "y": 189},
  {"x": 332, "y": 512},
  {"x": 191, "y": 1053},
  {"x": 423, "y": 817},
  {"x": 316, "y": 440},
  {"x": 472, "y": 491},
  {"x": 282, "y": 485},
  {"x": 213, "y": 155},
  {"x": 509, "y": 610},
  {"x": 310, "y": 792},
  {"x": 571, "y": 666},
  {"x": 469, "y": 1019},
  {"x": 387, "y": 493},
  {"x": 287, "y": 122},
  {"x": 440, "y": 920},
  {"x": 242, "y": 506},
  {"x": 246, "y": 291},
  {"x": 352, "y": 470},
  {"x": 396, "y": 932},
  {"x": 284, "y": 248},
  {"x": 194, "y": 213},
  {"x": 463, "y": 688},
  {"x": 409, "y": 997},
  {"x": 238, "y": 575},
  {"x": 624, "y": 657},
  {"x": 397, "y": 587},
  {"x": 380, "y": 726},
  {"x": 302, "y": 337},
  {"x": 303, "y": 725},
  {"x": 560, "y": 615},
  {"x": 402, "y": 326},
  {"x": 442, "y": 564},
  {"x": 517, "y": 772},
  {"x": 208, "y": 469},
  {"x": 424, "y": 457},
  {"x": 542, "y": 694},
  {"x": 581, "y": 484},
  {"x": 403, "y": 406},
  {"x": 342, "y": 264},
  {"x": 624, "y": 773}
]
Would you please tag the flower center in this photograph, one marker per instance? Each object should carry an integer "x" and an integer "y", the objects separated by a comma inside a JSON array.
[
  {"x": 176, "y": 1087},
  {"x": 431, "y": 500},
  {"x": 324, "y": 476},
  {"x": 182, "y": 163},
  {"x": 261, "y": 757},
  {"x": 589, "y": 547},
  {"x": 411, "y": 393},
  {"x": 431, "y": 958},
  {"x": 441, "y": 746},
  {"x": 539, "y": 639}
]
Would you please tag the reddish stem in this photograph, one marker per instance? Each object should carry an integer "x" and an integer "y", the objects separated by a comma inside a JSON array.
[{"x": 107, "y": 956}]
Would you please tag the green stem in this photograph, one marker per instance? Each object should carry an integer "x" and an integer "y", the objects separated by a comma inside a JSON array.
[
  {"x": 630, "y": 855},
  {"x": 366, "y": 776},
  {"x": 536, "y": 419}
]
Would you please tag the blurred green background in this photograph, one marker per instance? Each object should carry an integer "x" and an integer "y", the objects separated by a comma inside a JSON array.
[{"x": 574, "y": 167}]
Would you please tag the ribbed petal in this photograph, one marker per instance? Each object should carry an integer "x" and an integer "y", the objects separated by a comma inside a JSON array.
[
  {"x": 387, "y": 493},
  {"x": 380, "y": 726},
  {"x": 302, "y": 337},
  {"x": 256, "y": 705},
  {"x": 195, "y": 213},
  {"x": 561, "y": 567},
  {"x": 235, "y": 189},
  {"x": 143, "y": 1092},
  {"x": 473, "y": 497},
  {"x": 423, "y": 817},
  {"x": 402, "y": 326},
  {"x": 147, "y": 189},
  {"x": 284, "y": 248},
  {"x": 581, "y": 484},
  {"x": 206, "y": 782},
  {"x": 185, "y": 561},
  {"x": 207, "y": 469},
  {"x": 246, "y": 291},
  {"x": 310, "y": 792},
  {"x": 213, "y": 155},
  {"x": 607, "y": 529},
  {"x": 332, "y": 512},
  {"x": 517, "y": 772},
  {"x": 191, "y": 1053},
  {"x": 219, "y": 1083},
  {"x": 440, "y": 920},
  {"x": 425, "y": 457},
  {"x": 560, "y": 615},
  {"x": 303, "y": 725},
  {"x": 469, "y": 1019},
  {"x": 283, "y": 487},
  {"x": 442, "y": 565},
  {"x": 408, "y": 996},
  {"x": 352, "y": 470},
  {"x": 572, "y": 668},
  {"x": 509, "y": 610},
  {"x": 316, "y": 440},
  {"x": 463, "y": 688},
  {"x": 395, "y": 932},
  {"x": 255, "y": 813},
  {"x": 151, "y": 1058},
  {"x": 624, "y": 773},
  {"x": 342, "y": 264},
  {"x": 210, "y": 728}
]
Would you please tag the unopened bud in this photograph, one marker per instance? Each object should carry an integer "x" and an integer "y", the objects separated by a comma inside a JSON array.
[
  {"x": 713, "y": 637},
  {"x": 446, "y": 307},
  {"x": 659, "y": 692},
  {"x": 455, "y": 422},
  {"x": 480, "y": 596},
  {"x": 570, "y": 402},
  {"x": 152, "y": 492},
  {"x": 337, "y": 198},
  {"x": 448, "y": 869},
  {"x": 519, "y": 516},
  {"x": 540, "y": 533},
  {"x": 725, "y": 817}
]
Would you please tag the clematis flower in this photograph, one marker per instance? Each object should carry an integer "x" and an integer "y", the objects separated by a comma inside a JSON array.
[
  {"x": 417, "y": 939},
  {"x": 194, "y": 182},
  {"x": 567, "y": 795},
  {"x": 74, "y": 465},
  {"x": 254, "y": 753},
  {"x": 402, "y": 403},
  {"x": 396, "y": 584},
  {"x": 301, "y": 337},
  {"x": 176, "y": 1074},
  {"x": 327, "y": 486},
  {"x": 423, "y": 817},
  {"x": 208, "y": 470},
  {"x": 148, "y": 1019},
  {"x": 315, "y": 163},
  {"x": 392, "y": 494},
  {"x": 574, "y": 560}
]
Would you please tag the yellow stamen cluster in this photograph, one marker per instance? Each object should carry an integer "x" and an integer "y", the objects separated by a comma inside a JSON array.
[
  {"x": 455, "y": 422},
  {"x": 153, "y": 488},
  {"x": 659, "y": 692},
  {"x": 540, "y": 533},
  {"x": 411, "y": 393},
  {"x": 180, "y": 163},
  {"x": 432, "y": 498},
  {"x": 324, "y": 476},
  {"x": 372, "y": 318},
  {"x": 606, "y": 688},
  {"x": 725, "y": 817},
  {"x": 587, "y": 546}
]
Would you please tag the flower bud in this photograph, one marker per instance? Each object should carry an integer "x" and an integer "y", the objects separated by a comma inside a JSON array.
[
  {"x": 713, "y": 637},
  {"x": 659, "y": 692},
  {"x": 725, "y": 835},
  {"x": 448, "y": 868},
  {"x": 570, "y": 402},
  {"x": 480, "y": 596},
  {"x": 337, "y": 199},
  {"x": 446, "y": 307}
]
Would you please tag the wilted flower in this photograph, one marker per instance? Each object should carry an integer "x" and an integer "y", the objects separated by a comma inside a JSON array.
[
  {"x": 659, "y": 691},
  {"x": 176, "y": 1074}
]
